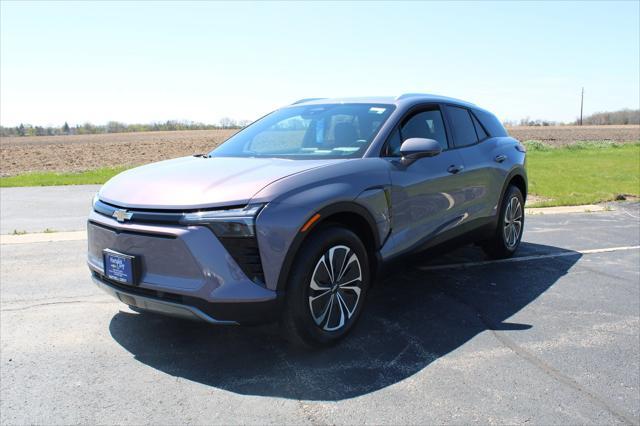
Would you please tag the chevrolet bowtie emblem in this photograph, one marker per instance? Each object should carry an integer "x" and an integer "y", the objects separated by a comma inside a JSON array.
[{"x": 122, "y": 215}]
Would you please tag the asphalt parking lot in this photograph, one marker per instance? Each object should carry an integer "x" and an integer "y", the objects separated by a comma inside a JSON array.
[{"x": 550, "y": 337}]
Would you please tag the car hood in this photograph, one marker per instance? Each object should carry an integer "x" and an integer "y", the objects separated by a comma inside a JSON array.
[{"x": 199, "y": 182}]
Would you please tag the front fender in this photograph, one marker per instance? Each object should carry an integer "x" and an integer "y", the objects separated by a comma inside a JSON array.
[{"x": 357, "y": 188}]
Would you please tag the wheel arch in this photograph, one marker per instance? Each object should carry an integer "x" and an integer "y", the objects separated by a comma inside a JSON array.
[
  {"x": 519, "y": 182},
  {"x": 517, "y": 177},
  {"x": 350, "y": 215}
]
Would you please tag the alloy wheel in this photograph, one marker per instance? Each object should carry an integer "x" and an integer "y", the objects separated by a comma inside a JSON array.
[
  {"x": 512, "y": 222},
  {"x": 335, "y": 288}
]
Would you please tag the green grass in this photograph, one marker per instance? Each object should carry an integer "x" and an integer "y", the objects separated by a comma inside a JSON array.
[
  {"x": 584, "y": 173},
  {"x": 97, "y": 176}
]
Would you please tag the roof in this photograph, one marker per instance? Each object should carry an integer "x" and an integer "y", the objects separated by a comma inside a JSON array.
[{"x": 407, "y": 98}]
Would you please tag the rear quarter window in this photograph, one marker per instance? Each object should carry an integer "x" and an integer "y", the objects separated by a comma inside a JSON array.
[
  {"x": 490, "y": 123},
  {"x": 482, "y": 135}
]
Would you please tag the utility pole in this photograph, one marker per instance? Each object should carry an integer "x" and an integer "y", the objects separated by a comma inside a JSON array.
[{"x": 581, "y": 104}]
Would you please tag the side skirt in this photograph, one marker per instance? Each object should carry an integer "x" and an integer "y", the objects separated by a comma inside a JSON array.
[{"x": 472, "y": 232}]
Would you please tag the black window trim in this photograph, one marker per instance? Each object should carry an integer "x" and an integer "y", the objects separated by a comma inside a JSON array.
[
  {"x": 473, "y": 114},
  {"x": 470, "y": 111},
  {"x": 416, "y": 109}
]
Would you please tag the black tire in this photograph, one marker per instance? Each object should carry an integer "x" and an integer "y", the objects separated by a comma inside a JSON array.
[
  {"x": 503, "y": 244},
  {"x": 299, "y": 322}
]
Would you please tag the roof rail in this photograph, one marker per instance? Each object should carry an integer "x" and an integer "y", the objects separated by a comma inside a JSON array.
[
  {"x": 410, "y": 95},
  {"x": 306, "y": 100},
  {"x": 442, "y": 98}
]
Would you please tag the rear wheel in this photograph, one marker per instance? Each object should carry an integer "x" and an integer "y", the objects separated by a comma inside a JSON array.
[
  {"x": 327, "y": 288},
  {"x": 508, "y": 234}
]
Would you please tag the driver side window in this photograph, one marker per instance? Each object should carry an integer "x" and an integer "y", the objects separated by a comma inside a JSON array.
[{"x": 424, "y": 124}]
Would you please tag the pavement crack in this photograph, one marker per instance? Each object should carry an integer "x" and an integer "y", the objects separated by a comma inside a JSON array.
[
  {"x": 559, "y": 376},
  {"x": 547, "y": 369},
  {"x": 59, "y": 298},
  {"x": 67, "y": 302},
  {"x": 603, "y": 274}
]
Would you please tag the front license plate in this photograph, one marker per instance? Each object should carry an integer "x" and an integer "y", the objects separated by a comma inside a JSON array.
[{"x": 120, "y": 267}]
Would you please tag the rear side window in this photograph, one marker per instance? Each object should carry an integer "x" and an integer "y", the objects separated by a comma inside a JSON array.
[
  {"x": 491, "y": 123},
  {"x": 482, "y": 135},
  {"x": 464, "y": 133}
]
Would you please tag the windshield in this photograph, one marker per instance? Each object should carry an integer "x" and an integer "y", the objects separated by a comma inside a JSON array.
[{"x": 307, "y": 132}]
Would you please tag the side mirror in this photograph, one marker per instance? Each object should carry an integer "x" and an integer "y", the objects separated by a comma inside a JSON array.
[{"x": 414, "y": 148}]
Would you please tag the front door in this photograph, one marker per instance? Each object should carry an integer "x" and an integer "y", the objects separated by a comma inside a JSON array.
[{"x": 427, "y": 194}]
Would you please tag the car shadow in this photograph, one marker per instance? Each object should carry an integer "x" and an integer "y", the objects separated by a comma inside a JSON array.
[{"x": 415, "y": 317}]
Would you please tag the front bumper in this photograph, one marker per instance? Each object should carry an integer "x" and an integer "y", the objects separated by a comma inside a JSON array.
[
  {"x": 157, "y": 305},
  {"x": 186, "y": 272},
  {"x": 192, "y": 308}
]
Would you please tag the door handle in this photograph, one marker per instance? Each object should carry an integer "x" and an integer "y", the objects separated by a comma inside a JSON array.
[
  {"x": 453, "y": 169},
  {"x": 500, "y": 158}
]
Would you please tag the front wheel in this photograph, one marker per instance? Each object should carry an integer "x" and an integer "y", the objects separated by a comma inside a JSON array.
[
  {"x": 327, "y": 288},
  {"x": 508, "y": 234}
]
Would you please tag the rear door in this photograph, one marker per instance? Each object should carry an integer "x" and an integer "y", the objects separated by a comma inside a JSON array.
[
  {"x": 482, "y": 175},
  {"x": 425, "y": 194}
]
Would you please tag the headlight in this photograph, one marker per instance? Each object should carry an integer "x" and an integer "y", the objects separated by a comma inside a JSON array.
[
  {"x": 231, "y": 223},
  {"x": 100, "y": 207}
]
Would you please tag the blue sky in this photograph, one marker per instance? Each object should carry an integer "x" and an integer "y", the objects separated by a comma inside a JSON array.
[{"x": 144, "y": 62}]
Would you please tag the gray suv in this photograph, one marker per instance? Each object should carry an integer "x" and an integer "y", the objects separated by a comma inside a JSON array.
[{"x": 293, "y": 217}]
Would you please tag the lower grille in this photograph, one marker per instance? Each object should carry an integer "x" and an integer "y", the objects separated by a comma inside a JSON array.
[
  {"x": 244, "y": 313},
  {"x": 246, "y": 254},
  {"x": 162, "y": 295}
]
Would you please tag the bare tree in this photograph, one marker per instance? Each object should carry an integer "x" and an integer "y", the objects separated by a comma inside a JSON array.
[
  {"x": 623, "y": 116},
  {"x": 228, "y": 123}
]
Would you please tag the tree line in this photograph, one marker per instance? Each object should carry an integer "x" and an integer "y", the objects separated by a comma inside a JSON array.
[
  {"x": 117, "y": 127},
  {"x": 623, "y": 116}
]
